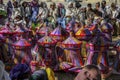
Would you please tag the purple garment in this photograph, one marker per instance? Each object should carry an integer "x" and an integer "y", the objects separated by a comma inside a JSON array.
[{"x": 19, "y": 71}]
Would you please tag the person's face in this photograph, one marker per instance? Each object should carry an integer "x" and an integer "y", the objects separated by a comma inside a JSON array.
[
  {"x": 89, "y": 8},
  {"x": 86, "y": 74},
  {"x": 71, "y": 5},
  {"x": 97, "y": 5},
  {"x": 52, "y": 6},
  {"x": 104, "y": 4}
]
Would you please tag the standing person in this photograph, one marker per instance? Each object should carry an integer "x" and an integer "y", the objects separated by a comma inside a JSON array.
[
  {"x": 89, "y": 12},
  {"x": 16, "y": 10},
  {"x": 97, "y": 8},
  {"x": 52, "y": 10},
  {"x": 60, "y": 14},
  {"x": 104, "y": 9},
  {"x": 113, "y": 14},
  {"x": 70, "y": 11},
  {"x": 9, "y": 9},
  {"x": 43, "y": 12},
  {"x": 77, "y": 10},
  {"x": 60, "y": 11},
  {"x": 3, "y": 12},
  {"x": 82, "y": 14},
  {"x": 26, "y": 10},
  {"x": 34, "y": 10},
  {"x": 89, "y": 72}
]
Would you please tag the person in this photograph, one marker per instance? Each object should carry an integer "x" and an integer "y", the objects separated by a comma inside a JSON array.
[
  {"x": 3, "y": 74},
  {"x": 70, "y": 11},
  {"x": 89, "y": 11},
  {"x": 98, "y": 9},
  {"x": 9, "y": 9},
  {"x": 113, "y": 13},
  {"x": 60, "y": 11},
  {"x": 104, "y": 9},
  {"x": 89, "y": 72},
  {"x": 20, "y": 72},
  {"x": 16, "y": 10},
  {"x": 52, "y": 10},
  {"x": 26, "y": 10},
  {"x": 44, "y": 73},
  {"x": 3, "y": 12},
  {"x": 34, "y": 10},
  {"x": 43, "y": 12}
]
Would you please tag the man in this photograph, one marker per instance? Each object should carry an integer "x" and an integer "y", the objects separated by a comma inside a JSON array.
[
  {"x": 52, "y": 9},
  {"x": 89, "y": 12},
  {"x": 89, "y": 72},
  {"x": 104, "y": 8},
  {"x": 97, "y": 8},
  {"x": 113, "y": 14},
  {"x": 70, "y": 10}
]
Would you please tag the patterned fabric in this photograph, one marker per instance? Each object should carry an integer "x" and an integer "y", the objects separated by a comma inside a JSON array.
[
  {"x": 58, "y": 33},
  {"x": 84, "y": 34},
  {"x": 46, "y": 40},
  {"x": 22, "y": 43},
  {"x": 70, "y": 42}
]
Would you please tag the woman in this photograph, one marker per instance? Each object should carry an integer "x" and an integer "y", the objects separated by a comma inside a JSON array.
[{"x": 20, "y": 72}]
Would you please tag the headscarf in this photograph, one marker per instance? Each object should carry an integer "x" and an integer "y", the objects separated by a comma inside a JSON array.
[
  {"x": 19, "y": 71},
  {"x": 3, "y": 74},
  {"x": 118, "y": 43},
  {"x": 39, "y": 75}
]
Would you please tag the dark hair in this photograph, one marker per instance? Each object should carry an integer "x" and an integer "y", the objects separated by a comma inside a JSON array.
[
  {"x": 77, "y": 5},
  {"x": 113, "y": 5},
  {"x": 91, "y": 66},
  {"x": 104, "y": 2},
  {"x": 98, "y": 4},
  {"x": 89, "y": 5}
]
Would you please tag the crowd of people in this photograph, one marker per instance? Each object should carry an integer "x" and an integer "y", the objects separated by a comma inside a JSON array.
[
  {"x": 26, "y": 29},
  {"x": 34, "y": 12}
]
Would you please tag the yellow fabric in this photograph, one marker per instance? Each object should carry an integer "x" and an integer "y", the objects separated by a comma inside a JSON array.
[{"x": 50, "y": 74}]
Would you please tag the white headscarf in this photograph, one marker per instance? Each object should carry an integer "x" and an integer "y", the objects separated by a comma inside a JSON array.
[{"x": 3, "y": 74}]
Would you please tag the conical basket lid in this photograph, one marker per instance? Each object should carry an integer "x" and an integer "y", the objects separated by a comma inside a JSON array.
[
  {"x": 71, "y": 41},
  {"x": 83, "y": 33},
  {"x": 43, "y": 30},
  {"x": 19, "y": 31},
  {"x": 46, "y": 40},
  {"x": 59, "y": 31},
  {"x": 22, "y": 43},
  {"x": 106, "y": 27},
  {"x": 5, "y": 30}
]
